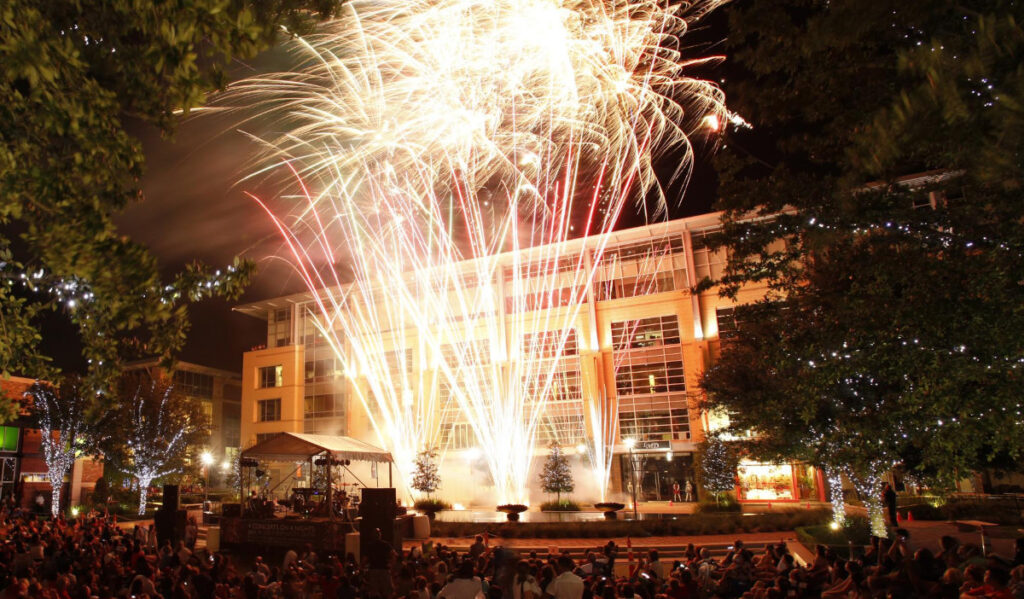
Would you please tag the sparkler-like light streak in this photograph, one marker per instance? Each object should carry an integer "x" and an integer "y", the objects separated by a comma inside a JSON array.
[{"x": 444, "y": 138}]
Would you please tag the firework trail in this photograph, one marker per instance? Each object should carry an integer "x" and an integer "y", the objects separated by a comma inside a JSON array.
[{"x": 445, "y": 148}]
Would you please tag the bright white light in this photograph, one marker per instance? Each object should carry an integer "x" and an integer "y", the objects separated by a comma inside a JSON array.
[
  {"x": 226, "y": 466},
  {"x": 630, "y": 442},
  {"x": 668, "y": 456},
  {"x": 458, "y": 507},
  {"x": 834, "y": 525},
  {"x": 581, "y": 449},
  {"x": 473, "y": 454},
  {"x": 400, "y": 117},
  {"x": 206, "y": 458}
]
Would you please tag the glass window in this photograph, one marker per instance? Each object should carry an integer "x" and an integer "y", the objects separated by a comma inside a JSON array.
[
  {"x": 270, "y": 376},
  {"x": 655, "y": 418},
  {"x": 546, "y": 344},
  {"x": 727, "y": 326},
  {"x": 279, "y": 327},
  {"x": 646, "y": 332},
  {"x": 458, "y": 435},
  {"x": 194, "y": 384},
  {"x": 268, "y": 410},
  {"x": 9, "y": 438},
  {"x": 324, "y": 406},
  {"x": 638, "y": 379},
  {"x": 319, "y": 370}
]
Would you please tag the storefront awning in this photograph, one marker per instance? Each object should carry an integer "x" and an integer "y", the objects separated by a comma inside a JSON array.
[{"x": 293, "y": 447}]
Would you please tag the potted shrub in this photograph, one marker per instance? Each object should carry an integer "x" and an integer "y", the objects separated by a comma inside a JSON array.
[
  {"x": 610, "y": 508},
  {"x": 430, "y": 507},
  {"x": 512, "y": 511}
]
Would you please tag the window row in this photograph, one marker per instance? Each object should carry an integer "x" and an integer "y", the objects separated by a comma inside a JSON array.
[
  {"x": 645, "y": 332},
  {"x": 650, "y": 378},
  {"x": 549, "y": 344},
  {"x": 655, "y": 425},
  {"x": 270, "y": 376},
  {"x": 194, "y": 384},
  {"x": 324, "y": 406}
]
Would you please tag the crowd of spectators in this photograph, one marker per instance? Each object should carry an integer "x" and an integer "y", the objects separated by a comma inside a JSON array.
[{"x": 92, "y": 556}]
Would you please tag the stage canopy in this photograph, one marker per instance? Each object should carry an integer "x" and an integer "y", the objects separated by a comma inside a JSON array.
[{"x": 293, "y": 447}]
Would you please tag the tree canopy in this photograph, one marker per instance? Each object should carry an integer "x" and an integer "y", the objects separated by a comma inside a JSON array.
[
  {"x": 893, "y": 330},
  {"x": 73, "y": 74}
]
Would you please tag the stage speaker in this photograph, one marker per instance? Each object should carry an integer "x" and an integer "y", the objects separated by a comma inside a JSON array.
[
  {"x": 170, "y": 526},
  {"x": 170, "y": 498},
  {"x": 231, "y": 510},
  {"x": 377, "y": 510}
]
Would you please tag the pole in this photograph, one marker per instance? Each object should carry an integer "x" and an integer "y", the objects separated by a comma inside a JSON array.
[
  {"x": 633, "y": 473},
  {"x": 330, "y": 495}
]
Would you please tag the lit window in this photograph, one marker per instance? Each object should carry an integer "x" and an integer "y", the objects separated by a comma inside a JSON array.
[
  {"x": 271, "y": 376},
  {"x": 9, "y": 438}
]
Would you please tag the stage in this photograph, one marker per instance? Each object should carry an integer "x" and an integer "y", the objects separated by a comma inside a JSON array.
[{"x": 321, "y": 517}]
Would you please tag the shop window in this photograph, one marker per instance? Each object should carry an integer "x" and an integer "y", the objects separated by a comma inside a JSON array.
[{"x": 765, "y": 482}]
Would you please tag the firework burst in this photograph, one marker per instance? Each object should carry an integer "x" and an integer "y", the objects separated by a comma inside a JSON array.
[{"x": 446, "y": 148}]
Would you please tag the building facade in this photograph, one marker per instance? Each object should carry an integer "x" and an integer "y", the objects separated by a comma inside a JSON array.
[
  {"x": 219, "y": 392},
  {"x": 628, "y": 337}
]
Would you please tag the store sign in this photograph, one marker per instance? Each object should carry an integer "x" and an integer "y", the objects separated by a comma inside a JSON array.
[{"x": 654, "y": 445}]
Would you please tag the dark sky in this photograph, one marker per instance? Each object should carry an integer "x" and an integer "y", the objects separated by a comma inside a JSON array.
[{"x": 194, "y": 208}]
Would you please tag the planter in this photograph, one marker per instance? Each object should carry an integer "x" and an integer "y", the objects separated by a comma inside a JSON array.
[
  {"x": 512, "y": 511},
  {"x": 610, "y": 509}
]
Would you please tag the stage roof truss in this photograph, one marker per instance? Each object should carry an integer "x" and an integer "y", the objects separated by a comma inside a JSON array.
[{"x": 294, "y": 447}]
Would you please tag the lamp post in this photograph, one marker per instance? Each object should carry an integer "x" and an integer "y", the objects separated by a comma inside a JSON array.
[
  {"x": 631, "y": 443},
  {"x": 207, "y": 459}
]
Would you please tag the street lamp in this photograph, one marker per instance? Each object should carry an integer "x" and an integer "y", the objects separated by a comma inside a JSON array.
[
  {"x": 631, "y": 443},
  {"x": 207, "y": 459}
]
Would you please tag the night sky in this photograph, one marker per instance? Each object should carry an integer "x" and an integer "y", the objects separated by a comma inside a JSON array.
[{"x": 194, "y": 208}]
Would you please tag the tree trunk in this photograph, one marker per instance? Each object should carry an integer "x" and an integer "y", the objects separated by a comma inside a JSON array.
[
  {"x": 835, "y": 495},
  {"x": 55, "y": 498},
  {"x": 56, "y": 487},
  {"x": 143, "y": 492}
]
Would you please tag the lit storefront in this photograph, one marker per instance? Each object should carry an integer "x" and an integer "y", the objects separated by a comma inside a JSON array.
[{"x": 778, "y": 482}]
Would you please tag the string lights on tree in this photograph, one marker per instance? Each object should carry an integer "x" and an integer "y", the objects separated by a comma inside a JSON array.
[
  {"x": 161, "y": 426},
  {"x": 66, "y": 427}
]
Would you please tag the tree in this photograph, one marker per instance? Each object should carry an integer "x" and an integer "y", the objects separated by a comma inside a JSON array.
[
  {"x": 425, "y": 477},
  {"x": 160, "y": 428},
  {"x": 68, "y": 426},
  {"x": 892, "y": 328},
  {"x": 73, "y": 74},
  {"x": 716, "y": 465},
  {"x": 556, "y": 477},
  {"x": 8, "y": 407}
]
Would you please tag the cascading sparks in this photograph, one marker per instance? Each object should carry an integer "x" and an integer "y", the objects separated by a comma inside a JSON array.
[{"x": 445, "y": 148}]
